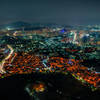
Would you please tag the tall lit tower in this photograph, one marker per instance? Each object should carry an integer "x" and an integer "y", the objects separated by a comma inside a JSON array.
[{"x": 74, "y": 36}]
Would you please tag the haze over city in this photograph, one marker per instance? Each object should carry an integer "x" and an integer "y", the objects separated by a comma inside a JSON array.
[{"x": 71, "y": 12}]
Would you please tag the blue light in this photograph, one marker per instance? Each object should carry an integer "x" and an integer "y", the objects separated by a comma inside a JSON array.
[{"x": 63, "y": 30}]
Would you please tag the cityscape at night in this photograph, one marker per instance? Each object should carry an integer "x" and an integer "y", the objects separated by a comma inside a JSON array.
[{"x": 50, "y": 50}]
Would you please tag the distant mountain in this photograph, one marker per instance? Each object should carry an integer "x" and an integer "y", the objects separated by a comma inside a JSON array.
[
  {"x": 19, "y": 24},
  {"x": 27, "y": 26},
  {"x": 15, "y": 25}
]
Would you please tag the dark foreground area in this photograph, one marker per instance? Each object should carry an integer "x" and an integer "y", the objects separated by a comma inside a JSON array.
[{"x": 59, "y": 87}]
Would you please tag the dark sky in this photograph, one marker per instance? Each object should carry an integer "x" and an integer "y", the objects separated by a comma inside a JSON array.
[{"x": 71, "y": 12}]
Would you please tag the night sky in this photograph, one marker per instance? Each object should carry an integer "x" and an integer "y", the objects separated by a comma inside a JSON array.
[{"x": 70, "y": 12}]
